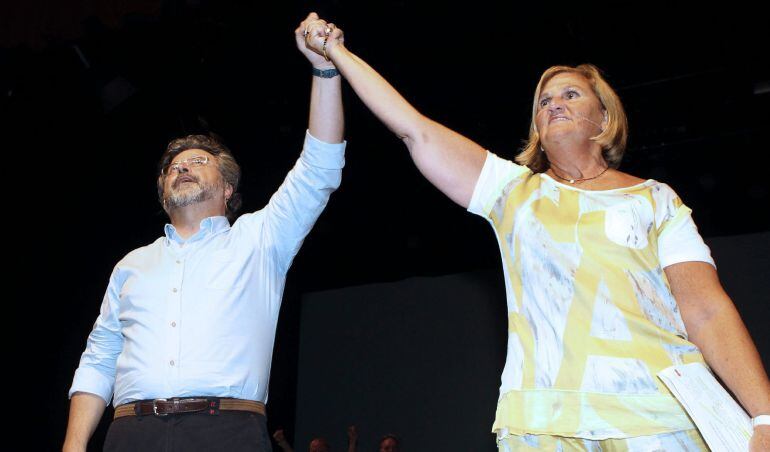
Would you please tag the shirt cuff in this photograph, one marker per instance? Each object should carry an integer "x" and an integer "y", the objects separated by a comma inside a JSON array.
[
  {"x": 323, "y": 155},
  {"x": 91, "y": 381},
  {"x": 672, "y": 259}
]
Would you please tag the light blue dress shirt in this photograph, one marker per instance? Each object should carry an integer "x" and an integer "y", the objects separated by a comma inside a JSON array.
[{"x": 197, "y": 317}]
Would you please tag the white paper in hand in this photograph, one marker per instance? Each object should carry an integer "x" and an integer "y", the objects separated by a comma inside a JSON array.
[{"x": 722, "y": 422}]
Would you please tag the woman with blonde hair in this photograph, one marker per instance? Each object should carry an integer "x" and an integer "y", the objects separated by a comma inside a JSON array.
[{"x": 607, "y": 279}]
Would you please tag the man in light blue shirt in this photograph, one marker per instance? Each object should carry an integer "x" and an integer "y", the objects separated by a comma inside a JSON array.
[{"x": 184, "y": 338}]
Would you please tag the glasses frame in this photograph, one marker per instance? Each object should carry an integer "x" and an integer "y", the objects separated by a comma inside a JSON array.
[{"x": 191, "y": 162}]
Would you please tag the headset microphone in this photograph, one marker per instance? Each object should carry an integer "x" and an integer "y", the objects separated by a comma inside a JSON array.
[{"x": 590, "y": 121}]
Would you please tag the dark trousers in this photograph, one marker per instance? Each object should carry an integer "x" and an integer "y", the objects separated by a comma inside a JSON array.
[{"x": 232, "y": 431}]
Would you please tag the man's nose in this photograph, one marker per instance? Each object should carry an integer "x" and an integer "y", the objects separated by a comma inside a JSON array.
[{"x": 182, "y": 167}]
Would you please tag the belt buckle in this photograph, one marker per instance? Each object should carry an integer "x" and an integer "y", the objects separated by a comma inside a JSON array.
[{"x": 155, "y": 407}]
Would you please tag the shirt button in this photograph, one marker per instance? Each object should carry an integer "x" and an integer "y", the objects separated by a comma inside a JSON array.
[
  {"x": 173, "y": 324},
  {"x": 171, "y": 362},
  {"x": 174, "y": 290},
  {"x": 178, "y": 262}
]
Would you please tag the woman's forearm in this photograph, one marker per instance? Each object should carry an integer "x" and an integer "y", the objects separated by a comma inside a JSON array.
[
  {"x": 714, "y": 325},
  {"x": 447, "y": 159}
]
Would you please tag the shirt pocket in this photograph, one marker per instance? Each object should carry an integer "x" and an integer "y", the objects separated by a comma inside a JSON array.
[
  {"x": 223, "y": 271},
  {"x": 628, "y": 222}
]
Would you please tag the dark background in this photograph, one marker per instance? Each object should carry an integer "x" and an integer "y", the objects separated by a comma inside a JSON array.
[
  {"x": 93, "y": 90},
  {"x": 423, "y": 356}
]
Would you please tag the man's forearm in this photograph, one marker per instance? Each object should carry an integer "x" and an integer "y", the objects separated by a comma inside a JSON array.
[
  {"x": 85, "y": 412},
  {"x": 327, "y": 122}
]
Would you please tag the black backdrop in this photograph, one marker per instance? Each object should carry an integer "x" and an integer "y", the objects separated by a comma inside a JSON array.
[{"x": 92, "y": 91}]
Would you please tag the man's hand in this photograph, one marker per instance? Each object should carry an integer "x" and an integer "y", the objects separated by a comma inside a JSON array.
[
  {"x": 352, "y": 438},
  {"x": 279, "y": 437},
  {"x": 314, "y": 36}
]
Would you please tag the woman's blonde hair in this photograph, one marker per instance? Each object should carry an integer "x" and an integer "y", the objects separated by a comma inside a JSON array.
[{"x": 613, "y": 137}]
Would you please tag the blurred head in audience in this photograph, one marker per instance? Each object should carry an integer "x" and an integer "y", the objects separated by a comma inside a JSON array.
[
  {"x": 389, "y": 443},
  {"x": 318, "y": 445}
]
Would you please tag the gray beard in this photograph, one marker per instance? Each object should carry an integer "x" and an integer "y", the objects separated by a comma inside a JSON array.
[{"x": 189, "y": 197}]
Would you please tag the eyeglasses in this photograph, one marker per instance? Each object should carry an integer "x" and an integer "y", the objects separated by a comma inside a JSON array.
[{"x": 192, "y": 162}]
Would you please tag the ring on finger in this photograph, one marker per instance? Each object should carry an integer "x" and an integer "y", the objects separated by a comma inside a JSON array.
[{"x": 307, "y": 27}]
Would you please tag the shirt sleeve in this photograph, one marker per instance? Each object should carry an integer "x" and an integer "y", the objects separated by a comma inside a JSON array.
[
  {"x": 495, "y": 176},
  {"x": 678, "y": 237},
  {"x": 96, "y": 371},
  {"x": 295, "y": 207}
]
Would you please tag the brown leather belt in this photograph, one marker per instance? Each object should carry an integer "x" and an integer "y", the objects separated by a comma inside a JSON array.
[{"x": 177, "y": 405}]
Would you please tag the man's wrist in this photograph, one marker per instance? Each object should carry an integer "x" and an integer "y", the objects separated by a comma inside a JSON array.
[{"x": 325, "y": 72}]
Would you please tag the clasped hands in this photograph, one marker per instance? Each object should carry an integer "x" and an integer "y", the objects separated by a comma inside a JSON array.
[{"x": 316, "y": 38}]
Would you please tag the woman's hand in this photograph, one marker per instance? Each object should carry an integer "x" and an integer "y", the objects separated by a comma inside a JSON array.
[
  {"x": 316, "y": 38},
  {"x": 760, "y": 440}
]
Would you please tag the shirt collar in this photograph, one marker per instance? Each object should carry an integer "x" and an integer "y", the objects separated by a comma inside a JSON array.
[{"x": 209, "y": 226}]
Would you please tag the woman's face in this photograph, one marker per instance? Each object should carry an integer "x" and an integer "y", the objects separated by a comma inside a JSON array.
[{"x": 568, "y": 111}]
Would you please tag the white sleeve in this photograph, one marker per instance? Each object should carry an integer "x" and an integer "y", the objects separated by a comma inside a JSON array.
[
  {"x": 678, "y": 237},
  {"x": 494, "y": 176},
  {"x": 296, "y": 205},
  {"x": 97, "y": 369}
]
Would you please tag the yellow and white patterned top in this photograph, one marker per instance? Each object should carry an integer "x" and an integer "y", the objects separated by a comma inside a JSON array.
[{"x": 591, "y": 317}]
